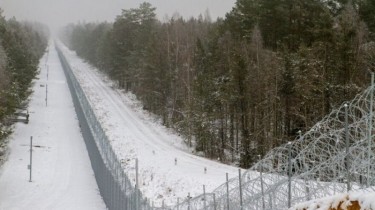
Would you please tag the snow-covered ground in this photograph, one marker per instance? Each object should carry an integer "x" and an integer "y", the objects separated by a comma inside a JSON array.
[
  {"x": 62, "y": 175},
  {"x": 168, "y": 170},
  {"x": 364, "y": 198}
]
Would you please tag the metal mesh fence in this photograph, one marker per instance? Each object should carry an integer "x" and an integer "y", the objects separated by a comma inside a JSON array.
[
  {"x": 114, "y": 185},
  {"x": 336, "y": 155}
]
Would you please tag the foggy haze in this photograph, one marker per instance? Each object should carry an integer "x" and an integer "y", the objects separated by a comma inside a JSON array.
[{"x": 57, "y": 13}]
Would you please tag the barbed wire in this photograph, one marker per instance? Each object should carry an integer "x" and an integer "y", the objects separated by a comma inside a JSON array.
[{"x": 334, "y": 156}]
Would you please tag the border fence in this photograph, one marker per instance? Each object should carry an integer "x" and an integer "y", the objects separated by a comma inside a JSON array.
[
  {"x": 334, "y": 156},
  {"x": 115, "y": 187}
]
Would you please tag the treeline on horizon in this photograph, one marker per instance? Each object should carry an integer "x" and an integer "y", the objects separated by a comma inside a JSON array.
[
  {"x": 239, "y": 86},
  {"x": 22, "y": 44}
]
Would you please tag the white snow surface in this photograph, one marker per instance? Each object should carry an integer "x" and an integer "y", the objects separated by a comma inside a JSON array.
[
  {"x": 135, "y": 133},
  {"x": 365, "y": 198},
  {"x": 62, "y": 175}
]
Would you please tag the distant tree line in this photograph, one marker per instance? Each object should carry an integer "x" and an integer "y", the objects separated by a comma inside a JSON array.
[
  {"x": 21, "y": 47},
  {"x": 239, "y": 86}
]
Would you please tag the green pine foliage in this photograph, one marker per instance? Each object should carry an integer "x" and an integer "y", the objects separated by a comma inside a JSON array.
[
  {"x": 239, "y": 86},
  {"x": 21, "y": 47}
]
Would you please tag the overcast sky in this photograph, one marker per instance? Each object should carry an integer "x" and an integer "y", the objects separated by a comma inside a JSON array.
[{"x": 59, "y": 12}]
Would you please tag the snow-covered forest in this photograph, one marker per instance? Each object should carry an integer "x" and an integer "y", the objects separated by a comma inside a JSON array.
[
  {"x": 237, "y": 86},
  {"x": 268, "y": 107},
  {"x": 22, "y": 44}
]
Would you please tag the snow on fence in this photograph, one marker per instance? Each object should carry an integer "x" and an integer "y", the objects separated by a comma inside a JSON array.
[
  {"x": 114, "y": 185},
  {"x": 334, "y": 156}
]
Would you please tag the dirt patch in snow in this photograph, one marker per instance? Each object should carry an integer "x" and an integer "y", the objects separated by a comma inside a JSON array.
[
  {"x": 353, "y": 205},
  {"x": 335, "y": 203}
]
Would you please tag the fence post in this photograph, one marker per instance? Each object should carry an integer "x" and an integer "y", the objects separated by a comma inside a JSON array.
[
  {"x": 130, "y": 197},
  {"x": 227, "y": 185},
  {"x": 347, "y": 149},
  {"x": 115, "y": 190},
  {"x": 46, "y": 94},
  {"x": 136, "y": 184},
  {"x": 204, "y": 198},
  {"x": 31, "y": 157},
  {"x": 214, "y": 197},
  {"x": 261, "y": 183},
  {"x": 105, "y": 185},
  {"x": 308, "y": 189},
  {"x": 270, "y": 197},
  {"x": 121, "y": 195},
  {"x": 112, "y": 189},
  {"x": 188, "y": 201},
  {"x": 289, "y": 174},
  {"x": 240, "y": 185},
  {"x": 126, "y": 191},
  {"x": 178, "y": 203},
  {"x": 370, "y": 129},
  {"x": 118, "y": 184}
]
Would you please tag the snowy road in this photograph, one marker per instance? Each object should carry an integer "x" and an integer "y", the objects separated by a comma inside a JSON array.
[
  {"x": 135, "y": 134},
  {"x": 62, "y": 174}
]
